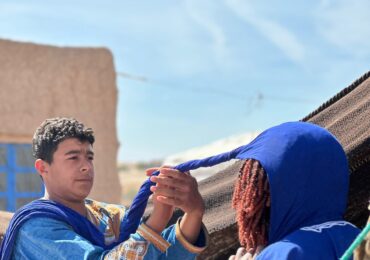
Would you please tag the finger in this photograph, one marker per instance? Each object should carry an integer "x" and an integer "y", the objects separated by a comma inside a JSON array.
[
  {"x": 150, "y": 171},
  {"x": 159, "y": 184},
  {"x": 163, "y": 191},
  {"x": 173, "y": 173},
  {"x": 180, "y": 197},
  {"x": 167, "y": 166},
  {"x": 232, "y": 257},
  {"x": 240, "y": 252},
  {"x": 170, "y": 182},
  {"x": 169, "y": 201},
  {"x": 180, "y": 186},
  {"x": 162, "y": 185}
]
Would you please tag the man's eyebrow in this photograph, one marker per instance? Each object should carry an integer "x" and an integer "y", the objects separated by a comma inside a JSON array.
[{"x": 73, "y": 152}]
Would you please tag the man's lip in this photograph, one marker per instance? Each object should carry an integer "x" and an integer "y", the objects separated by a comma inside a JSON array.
[{"x": 84, "y": 180}]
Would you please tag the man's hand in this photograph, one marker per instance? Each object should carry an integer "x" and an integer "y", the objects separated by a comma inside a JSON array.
[
  {"x": 180, "y": 190},
  {"x": 162, "y": 213}
]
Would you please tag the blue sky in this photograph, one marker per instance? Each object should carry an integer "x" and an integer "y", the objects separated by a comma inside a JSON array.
[{"x": 212, "y": 68}]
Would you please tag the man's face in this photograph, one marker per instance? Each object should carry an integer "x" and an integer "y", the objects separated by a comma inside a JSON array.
[{"x": 70, "y": 176}]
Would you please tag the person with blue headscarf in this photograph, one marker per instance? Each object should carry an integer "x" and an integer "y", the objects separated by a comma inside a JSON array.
[
  {"x": 291, "y": 195},
  {"x": 66, "y": 225}
]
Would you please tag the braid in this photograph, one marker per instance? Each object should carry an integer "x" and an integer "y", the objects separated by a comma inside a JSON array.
[{"x": 250, "y": 199}]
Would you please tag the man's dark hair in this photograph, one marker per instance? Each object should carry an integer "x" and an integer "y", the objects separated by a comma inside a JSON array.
[{"x": 55, "y": 130}]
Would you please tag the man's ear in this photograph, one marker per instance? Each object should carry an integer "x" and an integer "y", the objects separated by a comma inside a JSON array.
[{"x": 42, "y": 167}]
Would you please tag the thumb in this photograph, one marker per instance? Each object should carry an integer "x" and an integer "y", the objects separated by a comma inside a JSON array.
[{"x": 150, "y": 171}]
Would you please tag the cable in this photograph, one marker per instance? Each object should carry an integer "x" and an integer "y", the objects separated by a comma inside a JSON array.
[{"x": 259, "y": 97}]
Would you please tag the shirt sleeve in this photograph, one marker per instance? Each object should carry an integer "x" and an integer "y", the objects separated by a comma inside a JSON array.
[
  {"x": 171, "y": 244},
  {"x": 46, "y": 238}
]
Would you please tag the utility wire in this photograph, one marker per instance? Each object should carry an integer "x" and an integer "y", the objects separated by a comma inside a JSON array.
[
  {"x": 132, "y": 77},
  {"x": 258, "y": 97}
]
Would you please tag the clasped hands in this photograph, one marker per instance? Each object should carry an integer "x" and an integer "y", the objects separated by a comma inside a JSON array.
[{"x": 174, "y": 189}]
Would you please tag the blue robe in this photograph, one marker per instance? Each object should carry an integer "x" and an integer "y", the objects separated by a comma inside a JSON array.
[{"x": 46, "y": 230}]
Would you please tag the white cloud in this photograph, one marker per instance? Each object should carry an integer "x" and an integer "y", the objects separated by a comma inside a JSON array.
[
  {"x": 280, "y": 36},
  {"x": 345, "y": 24},
  {"x": 204, "y": 18}
]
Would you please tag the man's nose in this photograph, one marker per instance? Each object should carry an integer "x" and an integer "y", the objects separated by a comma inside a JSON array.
[{"x": 86, "y": 166}]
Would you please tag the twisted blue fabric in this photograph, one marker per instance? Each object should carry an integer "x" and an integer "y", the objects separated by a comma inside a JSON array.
[{"x": 140, "y": 201}]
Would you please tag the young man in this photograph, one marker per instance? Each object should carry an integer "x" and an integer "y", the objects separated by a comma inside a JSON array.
[{"x": 66, "y": 225}]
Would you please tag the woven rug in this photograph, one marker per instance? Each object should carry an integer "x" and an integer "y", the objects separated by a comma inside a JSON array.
[{"x": 347, "y": 116}]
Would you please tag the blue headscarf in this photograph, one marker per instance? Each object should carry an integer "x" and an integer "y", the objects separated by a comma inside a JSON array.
[
  {"x": 307, "y": 172},
  {"x": 308, "y": 176}
]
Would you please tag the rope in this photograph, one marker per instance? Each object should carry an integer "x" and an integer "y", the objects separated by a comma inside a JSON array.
[{"x": 356, "y": 243}]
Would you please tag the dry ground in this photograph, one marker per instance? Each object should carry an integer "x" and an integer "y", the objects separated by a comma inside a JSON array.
[{"x": 131, "y": 176}]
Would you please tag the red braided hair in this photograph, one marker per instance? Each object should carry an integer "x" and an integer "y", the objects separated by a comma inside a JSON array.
[{"x": 251, "y": 200}]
